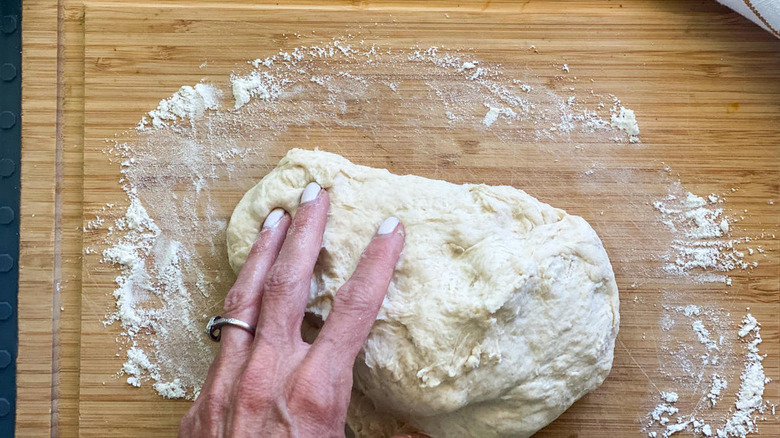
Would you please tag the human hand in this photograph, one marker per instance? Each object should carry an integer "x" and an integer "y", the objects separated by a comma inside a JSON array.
[{"x": 275, "y": 384}]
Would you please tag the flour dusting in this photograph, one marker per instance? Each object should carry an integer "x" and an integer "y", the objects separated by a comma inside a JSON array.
[
  {"x": 666, "y": 419},
  {"x": 702, "y": 242}
]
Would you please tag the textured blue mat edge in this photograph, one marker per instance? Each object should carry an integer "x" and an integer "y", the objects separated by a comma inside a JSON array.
[{"x": 10, "y": 155}]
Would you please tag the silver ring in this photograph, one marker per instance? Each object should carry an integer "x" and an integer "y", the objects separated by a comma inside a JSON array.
[{"x": 214, "y": 327}]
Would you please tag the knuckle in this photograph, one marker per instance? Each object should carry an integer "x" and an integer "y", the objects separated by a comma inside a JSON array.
[
  {"x": 252, "y": 400},
  {"x": 283, "y": 278},
  {"x": 205, "y": 416},
  {"x": 357, "y": 296},
  {"x": 254, "y": 392},
  {"x": 314, "y": 400},
  {"x": 187, "y": 423},
  {"x": 302, "y": 223},
  {"x": 375, "y": 251},
  {"x": 260, "y": 246},
  {"x": 375, "y": 256},
  {"x": 376, "y": 264},
  {"x": 235, "y": 301},
  {"x": 213, "y": 402}
]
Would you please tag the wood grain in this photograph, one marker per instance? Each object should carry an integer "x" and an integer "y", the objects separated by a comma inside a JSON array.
[
  {"x": 37, "y": 218},
  {"x": 682, "y": 66}
]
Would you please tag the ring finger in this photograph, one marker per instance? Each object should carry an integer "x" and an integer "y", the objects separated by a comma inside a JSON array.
[{"x": 243, "y": 302}]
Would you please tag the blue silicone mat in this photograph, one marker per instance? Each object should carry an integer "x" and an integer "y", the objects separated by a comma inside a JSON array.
[{"x": 10, "y": 155}]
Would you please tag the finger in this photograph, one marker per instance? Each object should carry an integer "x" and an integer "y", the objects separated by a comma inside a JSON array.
[
  {"x": 357, "y": 302},
  {"x": 243, "y": 300},
  {"x": 289, "y": 279}
]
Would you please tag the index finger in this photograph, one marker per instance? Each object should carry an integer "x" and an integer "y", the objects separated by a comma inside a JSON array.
[
  {"x": 287, "y": 284},
  {"x": 357, "y": 302}
]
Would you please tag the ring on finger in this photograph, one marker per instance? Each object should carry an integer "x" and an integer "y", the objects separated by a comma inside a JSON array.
[{"x": 215, "y": 324}]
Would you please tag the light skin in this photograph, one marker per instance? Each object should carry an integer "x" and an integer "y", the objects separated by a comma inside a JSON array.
[{"x": 273, "y": 383}]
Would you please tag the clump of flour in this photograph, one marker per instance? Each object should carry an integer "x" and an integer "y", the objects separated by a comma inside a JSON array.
[
  {"x": 137, "y": 365},
  {"x": 625, "y": 120},
  {"x": 493, "y": 113},
  {"x": 258, "y": 84},
  {"x": 188, "y": 103}
]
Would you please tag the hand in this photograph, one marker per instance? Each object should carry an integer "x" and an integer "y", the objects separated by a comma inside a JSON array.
[{"x": 275, "y": 384}]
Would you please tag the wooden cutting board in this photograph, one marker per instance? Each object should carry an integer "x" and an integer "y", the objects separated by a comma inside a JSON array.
[{"x": 705, "y": 92}]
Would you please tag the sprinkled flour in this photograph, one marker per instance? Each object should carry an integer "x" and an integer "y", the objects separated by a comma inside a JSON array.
[
  {"x": 702, "y": 242},
  {"x": 666, "y": 419},
  {"x": 694, "y": 339}
]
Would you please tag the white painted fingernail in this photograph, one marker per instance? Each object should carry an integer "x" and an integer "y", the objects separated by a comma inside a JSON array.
[
  {"x": 388, "y": 226},
  {"x": 310, "y": 192},
  {"x": 273, "y": 218}
]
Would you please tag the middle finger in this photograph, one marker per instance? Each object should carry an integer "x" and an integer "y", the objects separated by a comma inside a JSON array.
[{"x": 289, "y": 280}]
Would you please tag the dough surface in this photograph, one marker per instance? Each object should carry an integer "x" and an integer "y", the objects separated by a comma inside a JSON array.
[{"x": 502, "y": 312}]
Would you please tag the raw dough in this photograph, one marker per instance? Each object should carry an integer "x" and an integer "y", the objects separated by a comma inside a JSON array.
[{"x": 502, "y": 311}]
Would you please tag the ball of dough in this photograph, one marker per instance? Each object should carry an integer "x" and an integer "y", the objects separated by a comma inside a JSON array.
[{"x": 502, "y": 311}]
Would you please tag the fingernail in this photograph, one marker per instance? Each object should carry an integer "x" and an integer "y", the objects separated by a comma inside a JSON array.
[
  {"x": 310, "y": 192},
  {"x": 388, "y": 225},
  {"x": 273, "y": 218}
]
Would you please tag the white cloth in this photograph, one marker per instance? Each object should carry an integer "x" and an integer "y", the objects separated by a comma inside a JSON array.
[{"x": 765, "y": 13}]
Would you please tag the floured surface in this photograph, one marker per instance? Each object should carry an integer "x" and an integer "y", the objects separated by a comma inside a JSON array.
[
  {"x": 180, "y": 154},
  {"x": 412, "y": 117}
]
